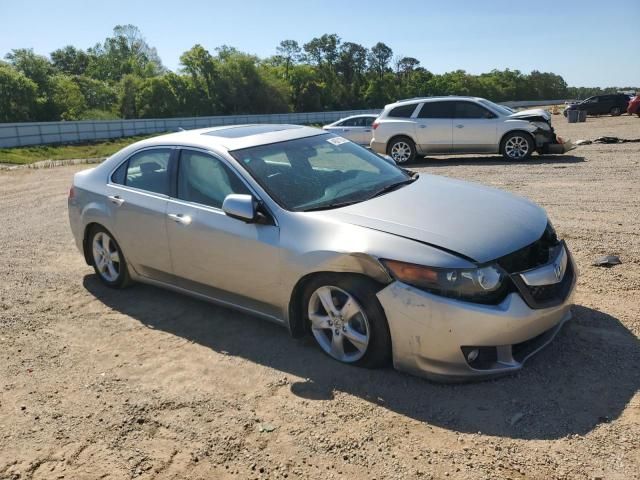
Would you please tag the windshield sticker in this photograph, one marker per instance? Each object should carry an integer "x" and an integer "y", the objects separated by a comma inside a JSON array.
[{"x": 337, "y": 140}]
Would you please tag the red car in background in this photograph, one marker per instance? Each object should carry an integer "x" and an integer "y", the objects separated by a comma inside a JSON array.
[{"x": 634, "y": 106}]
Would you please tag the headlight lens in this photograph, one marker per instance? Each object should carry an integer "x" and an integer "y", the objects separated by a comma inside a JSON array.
[{"x": 483, "y": 285}]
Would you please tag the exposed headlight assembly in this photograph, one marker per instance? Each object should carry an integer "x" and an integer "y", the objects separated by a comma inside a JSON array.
[{"x": 481, "y": 285}]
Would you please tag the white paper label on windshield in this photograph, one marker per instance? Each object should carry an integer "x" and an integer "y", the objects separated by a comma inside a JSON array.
[{"x": 337, "y": 140}]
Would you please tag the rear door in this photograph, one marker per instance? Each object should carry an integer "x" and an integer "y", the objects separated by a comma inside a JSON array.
[
  {"x": 213, "y": 254},
  {"x": 434, "y": 127},
  {"x": 137, "y": 197},
  {"x": 474, "y": 128}
]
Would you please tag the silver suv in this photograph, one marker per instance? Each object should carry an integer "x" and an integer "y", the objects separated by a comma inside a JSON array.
[{"x": 453, "y": 125}]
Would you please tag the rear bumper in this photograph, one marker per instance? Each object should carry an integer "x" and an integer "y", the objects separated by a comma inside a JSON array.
[
  {"x": 378, "y": 147},
  {"x": 430, "y": 333}
]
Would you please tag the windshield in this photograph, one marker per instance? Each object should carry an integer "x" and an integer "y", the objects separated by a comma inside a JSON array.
[
  {"x": 499, "y": 108},
  {"x": 323, "y": 171}
]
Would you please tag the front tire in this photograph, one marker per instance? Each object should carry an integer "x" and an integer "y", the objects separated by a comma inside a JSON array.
[
  {"x": 347, "y": 320},
  {"x": 616, "y": 111},
  {"x": 107, "y": 259},
  {"x": 517, "y": 146},
  {"x": 402, "y": 150}
]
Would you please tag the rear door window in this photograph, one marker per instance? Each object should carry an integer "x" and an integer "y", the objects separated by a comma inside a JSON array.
[
  {"x": 147, "y": 170},
  {"x": 349, "y": 123},
  {"x": 436, "y": 110}
]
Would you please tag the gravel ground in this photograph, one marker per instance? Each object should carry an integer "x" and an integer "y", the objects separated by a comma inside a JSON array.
[{"x": 149, "y": 384}]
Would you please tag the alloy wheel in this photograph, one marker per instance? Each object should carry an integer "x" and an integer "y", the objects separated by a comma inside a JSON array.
[
  {"x": 106, "y": 257},
  {"x": 516, "y": 147},
  {"x": 401, "y": 152},
  {"x": 339, "y": 324}
]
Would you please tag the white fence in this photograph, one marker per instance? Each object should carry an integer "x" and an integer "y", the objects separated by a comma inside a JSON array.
[{"x": 42, "y": 133}]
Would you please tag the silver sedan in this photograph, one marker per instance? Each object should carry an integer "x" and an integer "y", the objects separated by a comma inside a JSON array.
[
  {"x": 357, "y": 128},
  {"x": 446, "y": 279}
]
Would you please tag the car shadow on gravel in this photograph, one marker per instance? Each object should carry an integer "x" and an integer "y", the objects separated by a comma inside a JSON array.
[
  {"x": 586, "y": 377},
  {"x": 493, "y": 160}
]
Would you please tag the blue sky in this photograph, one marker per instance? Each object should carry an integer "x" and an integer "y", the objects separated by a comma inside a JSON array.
[{"x": 588, "y": 42}]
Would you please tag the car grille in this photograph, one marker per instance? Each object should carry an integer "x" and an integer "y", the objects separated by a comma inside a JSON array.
[
  {"x": 545, "y": 296},
  {"x": 531, "y": 256}
]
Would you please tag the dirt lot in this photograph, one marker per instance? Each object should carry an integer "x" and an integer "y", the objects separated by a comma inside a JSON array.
[{"x": 149, "y": 384}]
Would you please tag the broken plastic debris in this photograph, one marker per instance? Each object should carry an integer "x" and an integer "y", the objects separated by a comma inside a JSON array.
[
  {"x": 607, "y": 261},
  {"x": 266, "y": 427}
]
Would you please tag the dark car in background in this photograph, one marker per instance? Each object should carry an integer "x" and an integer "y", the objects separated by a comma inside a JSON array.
[{"x": 613, "y": 104}]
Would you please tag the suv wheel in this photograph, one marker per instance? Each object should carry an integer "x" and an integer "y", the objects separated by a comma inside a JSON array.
[
  {"x": 402, "y": 150},
  {"x": 616, "y": 111},
  {"x": 517, "y": 146}
]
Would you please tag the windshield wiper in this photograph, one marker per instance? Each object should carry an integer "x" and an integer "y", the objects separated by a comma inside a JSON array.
[
  {"x": 393, "y": 186},
  {"x": 329, "y": 206}
]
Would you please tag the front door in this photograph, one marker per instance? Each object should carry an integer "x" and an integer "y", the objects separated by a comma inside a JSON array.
[
  {"x": 474, "y": 129},
  {"x": 137, "y": 198},
  {"x": 434, "y": 125},
  {"x": 212, "y": 253}
]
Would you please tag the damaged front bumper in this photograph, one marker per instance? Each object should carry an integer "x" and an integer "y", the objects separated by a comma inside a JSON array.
[
  {"x": 435, "y": 337},
  {"x": 548, "y": 143}
]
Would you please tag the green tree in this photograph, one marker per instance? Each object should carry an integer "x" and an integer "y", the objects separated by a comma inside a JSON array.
[
  {"x": 17, "y": 95},
  {"x": 290, "y": 53},
  {"x": 70, "y": 60},
  {"x": 67, "y": 98},
  {"x": 128, "y": 91},
  {"x": 379, "y": 58}
]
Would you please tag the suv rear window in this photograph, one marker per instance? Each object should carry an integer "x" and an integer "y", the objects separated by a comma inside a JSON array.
[
  {"x": 403, "y": 111},
  {"x": 436, "y": 110}
]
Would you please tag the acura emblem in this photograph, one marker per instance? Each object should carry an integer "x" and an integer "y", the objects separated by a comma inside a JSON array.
[{"x": 557, "y": 269}]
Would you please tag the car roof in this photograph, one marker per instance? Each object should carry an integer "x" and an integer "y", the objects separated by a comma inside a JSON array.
[
  {"x": 234, "y": 137},
  {"x": 407, "y": 101}
]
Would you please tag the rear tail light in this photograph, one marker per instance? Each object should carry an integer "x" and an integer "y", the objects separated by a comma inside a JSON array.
[
  {"x": 375, "y": 125},
  {"x": 72, "y": 193}
]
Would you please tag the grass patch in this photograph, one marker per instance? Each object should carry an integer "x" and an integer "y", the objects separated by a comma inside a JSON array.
[{"x": 36, "y": 153}]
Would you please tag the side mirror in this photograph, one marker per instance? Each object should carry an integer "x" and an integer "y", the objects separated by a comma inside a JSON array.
[{"x": 241, "y": 207}]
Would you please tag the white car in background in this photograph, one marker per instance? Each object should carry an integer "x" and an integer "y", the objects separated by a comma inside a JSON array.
[
  {"x": 454, "y": 125},
  {"x": 357, "y": 128}
]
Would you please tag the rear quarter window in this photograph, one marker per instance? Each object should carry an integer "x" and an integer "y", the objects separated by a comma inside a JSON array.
[{"x": 403, "y": 111}]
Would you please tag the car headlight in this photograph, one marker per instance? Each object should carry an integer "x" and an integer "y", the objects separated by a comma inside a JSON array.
[{"x": 483, "y": 285}]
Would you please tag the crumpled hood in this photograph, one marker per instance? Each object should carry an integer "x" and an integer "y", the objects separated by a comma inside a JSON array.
[
  {"x": 531, "y": 114},
  {"x": 478, "y": 222}
]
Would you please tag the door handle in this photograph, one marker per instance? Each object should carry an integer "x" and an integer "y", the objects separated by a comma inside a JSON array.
[
  {"x": 345, "y": 129},
  {"x": 368, "y": 130},
  {"x": 180, "y": 218},
  {"x": 423, "y": 126},
  {"x": 459, "y": 126},
  {"x": 116, "y": 199}
]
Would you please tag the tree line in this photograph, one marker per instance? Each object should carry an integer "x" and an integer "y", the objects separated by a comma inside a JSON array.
[{"x": 123, "y": 77}]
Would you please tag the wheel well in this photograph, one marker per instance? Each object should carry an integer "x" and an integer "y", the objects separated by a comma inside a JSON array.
[
  {"x": 297, "y": 326},
  {"x": 396, "y": 137},
  {"x": 517, "y": 131},
  {"x": 86, "y": 246}
]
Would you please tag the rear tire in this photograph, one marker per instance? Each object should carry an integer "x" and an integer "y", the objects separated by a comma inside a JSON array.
[
  {"x": 517, "y": 146},
  {"x": 352, "y": 328},
  {"x": 615, "y": 111},
  {"x": 402, "y": 150},
  {"x": 107, "y": 258}
]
